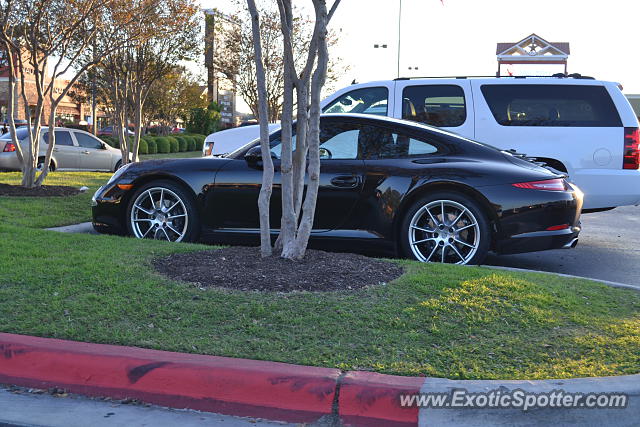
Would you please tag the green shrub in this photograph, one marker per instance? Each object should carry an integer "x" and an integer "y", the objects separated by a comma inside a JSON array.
[
  {"x": 143, "y": 148},
  {"x": 152, "y": 147},
  {"x": 174, "y": 146},
  {"x": 182, "y": 142},
  {"x": 198, "y": 140},
  {"x": 191, "y": 143},
  {"x": 164, "y": 146}
]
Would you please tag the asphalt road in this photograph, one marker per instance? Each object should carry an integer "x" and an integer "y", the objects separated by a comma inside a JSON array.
[{"x": 608, "y": 249}]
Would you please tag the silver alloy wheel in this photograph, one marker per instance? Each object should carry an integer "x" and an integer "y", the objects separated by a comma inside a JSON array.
[
  {"x": 444, "y": 231},
  {"x": 159, "y": 213}
]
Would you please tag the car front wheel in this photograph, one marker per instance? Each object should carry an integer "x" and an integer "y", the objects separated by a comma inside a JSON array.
[
  {"x": 446, "y": 227},
  {"x": 163, "y": 210}
]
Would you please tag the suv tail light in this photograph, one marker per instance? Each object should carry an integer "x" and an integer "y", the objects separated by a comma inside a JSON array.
[
  {"x": 556, "y": 184},
  {"x": 9, "y": 147},
  {"x": 631, "y": 159}
]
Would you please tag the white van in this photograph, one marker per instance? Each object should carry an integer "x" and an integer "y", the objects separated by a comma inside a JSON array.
[{"x": 581, "y": 126}]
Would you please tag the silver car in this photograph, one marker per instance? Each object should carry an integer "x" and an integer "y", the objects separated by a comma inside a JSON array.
[{"x": 74, "y": 150}]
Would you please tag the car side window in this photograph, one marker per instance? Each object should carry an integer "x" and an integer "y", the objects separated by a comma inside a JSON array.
[
  {"x": 383, "y": 143},
  {"x": 63, "y": 137},
  {"x": 551, "y": 105},
  {"x": 436, "y": 105},
  {"x": 87, "y": 141},
  {"x": 369, "y": 100},
  {"x": 338, "y": 141}
]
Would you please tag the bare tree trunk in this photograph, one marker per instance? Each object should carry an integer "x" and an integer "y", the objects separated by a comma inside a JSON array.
[
  {"x": 300, "y": 159},
  {"x": 264, "y": 199},
  {"x": 51, "y": 141},
  {"x": 11, "y": 104},
  {"x": 288, "y": 226},
  {"x": 313, "y": 135},
  {"x": 137, "y": 120}
]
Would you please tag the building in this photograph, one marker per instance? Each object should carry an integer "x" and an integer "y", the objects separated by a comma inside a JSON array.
[
  {"x": 532, "y": 49},
  {"x": 71, "y": 109},
  {"x": 219, "y": 88},
  {"x": 634, "y": 100}
]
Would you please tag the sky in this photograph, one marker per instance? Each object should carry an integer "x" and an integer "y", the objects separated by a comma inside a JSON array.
[{"x": 458, "y": 37}]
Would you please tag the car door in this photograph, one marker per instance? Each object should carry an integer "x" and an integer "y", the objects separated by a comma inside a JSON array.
[
  {"x": 93, "y": 155},
  {"x": 233, "y": 203},
  {"x": 65, "y": 152}
]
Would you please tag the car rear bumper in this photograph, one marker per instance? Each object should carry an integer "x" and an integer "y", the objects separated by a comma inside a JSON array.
[
  {"x": 9, "y": 161},
  {"x": 605, "y": 188},
  {"x": 538, "y": 241}
]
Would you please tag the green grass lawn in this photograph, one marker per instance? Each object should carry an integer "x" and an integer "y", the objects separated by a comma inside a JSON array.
[
  {"x": 436, "y": 320},
  {"x": 181, "y": 155}
]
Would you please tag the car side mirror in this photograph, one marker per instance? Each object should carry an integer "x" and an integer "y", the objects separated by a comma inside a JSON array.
[
  {"x": 103, "y": 145},
  {"x": 253, "y": 157}
]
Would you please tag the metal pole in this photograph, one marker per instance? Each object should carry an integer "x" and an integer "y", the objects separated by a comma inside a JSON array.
[{"x": 399, "y": 21}]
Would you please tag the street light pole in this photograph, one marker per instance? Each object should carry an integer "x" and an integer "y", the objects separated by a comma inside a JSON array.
[{"x": 399, "y": 21}]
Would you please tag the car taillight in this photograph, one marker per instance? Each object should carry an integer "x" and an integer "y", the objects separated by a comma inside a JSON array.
[
  {"x": 631, "y": 159},
  {"x": 556, "y": 184},
  {"x": 10, "y": 147},
  {"x": 558, "y": 227}
]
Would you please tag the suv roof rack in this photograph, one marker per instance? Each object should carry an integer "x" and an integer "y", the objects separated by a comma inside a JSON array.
[{"x": 557, "y": 75}]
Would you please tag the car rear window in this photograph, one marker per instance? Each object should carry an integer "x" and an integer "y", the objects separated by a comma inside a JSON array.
[
  {"x": 551, "y": 105},
  {"x": 20, "y": 134}
]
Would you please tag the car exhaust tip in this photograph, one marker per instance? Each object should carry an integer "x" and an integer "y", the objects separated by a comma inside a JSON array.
[{"x": 572, "y": 244}]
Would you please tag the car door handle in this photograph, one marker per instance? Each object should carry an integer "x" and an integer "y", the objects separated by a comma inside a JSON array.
[
  {"x": 86, "y": 152},
  {"x": 55, "y": 149},
  {"x": 346, "y": 181}
]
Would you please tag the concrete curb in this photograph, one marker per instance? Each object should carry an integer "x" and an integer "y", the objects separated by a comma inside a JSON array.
[
  {"x": 569, "y": 276},
  {"x": 280, "y": 391},
  {"x": 261, "y": 389},
  {"x": 82, "y": 228}
]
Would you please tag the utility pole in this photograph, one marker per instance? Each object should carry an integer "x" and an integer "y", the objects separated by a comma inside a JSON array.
[{"x": 399, "y": 27}]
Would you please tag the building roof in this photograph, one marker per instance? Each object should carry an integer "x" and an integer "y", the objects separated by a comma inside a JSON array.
[{"x": 562, "y": 46}]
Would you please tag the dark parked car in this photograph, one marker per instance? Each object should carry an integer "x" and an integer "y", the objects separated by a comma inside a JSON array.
[
  {"x": 386, "y": 185},
  {"x": 108, "y": 131}
]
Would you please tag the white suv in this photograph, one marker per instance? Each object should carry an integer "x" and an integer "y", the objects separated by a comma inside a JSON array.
[{"x": 581, "y": 126}]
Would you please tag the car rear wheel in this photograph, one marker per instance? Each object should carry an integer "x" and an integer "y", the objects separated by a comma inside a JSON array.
[
  {"x": 446, "y": 227},
  {"x": 163, "y": 210}
]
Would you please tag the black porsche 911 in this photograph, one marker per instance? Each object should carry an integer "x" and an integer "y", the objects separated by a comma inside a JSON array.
[{"x": 386, "y": 185}]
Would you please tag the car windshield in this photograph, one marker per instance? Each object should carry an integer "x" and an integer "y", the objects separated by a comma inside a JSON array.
[{"x": 21, "y": 134}]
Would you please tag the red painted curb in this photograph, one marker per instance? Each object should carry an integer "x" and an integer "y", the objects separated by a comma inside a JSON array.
[
  {"x": 270, "y": 390},
  {"x": 370, "y": 399}
]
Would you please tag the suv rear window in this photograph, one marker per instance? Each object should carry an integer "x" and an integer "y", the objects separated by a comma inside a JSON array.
[
  {"x": 551, "y": 105},
  {"x": 436, "y": 105}
]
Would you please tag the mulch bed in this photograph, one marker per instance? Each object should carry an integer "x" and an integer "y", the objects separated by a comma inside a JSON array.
[
  {"x": 242, "y": 268},
  {"x": 42, "y": 191}
]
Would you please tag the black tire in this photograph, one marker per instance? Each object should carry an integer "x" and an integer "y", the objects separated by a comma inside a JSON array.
[
  {"x": 456, "y": 242},
  {"x": 190, "y": 228},
  {"x": 118, "y": 165}
]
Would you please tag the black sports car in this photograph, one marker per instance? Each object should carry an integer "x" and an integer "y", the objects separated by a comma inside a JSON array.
[{"x": 386, "y": 185}]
